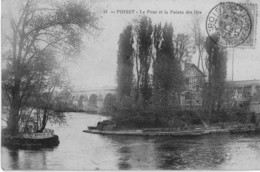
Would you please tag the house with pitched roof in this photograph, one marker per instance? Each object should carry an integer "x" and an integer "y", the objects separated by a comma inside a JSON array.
[
  {"x": 244, "y": 93},
  {"x": 194, "y": 78}
]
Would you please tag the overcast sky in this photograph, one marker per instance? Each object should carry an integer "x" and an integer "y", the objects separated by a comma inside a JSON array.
[{"x": 96, "y": 66}]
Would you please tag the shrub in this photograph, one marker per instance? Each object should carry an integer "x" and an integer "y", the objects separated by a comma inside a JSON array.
[{"x": 128, "y": 113}]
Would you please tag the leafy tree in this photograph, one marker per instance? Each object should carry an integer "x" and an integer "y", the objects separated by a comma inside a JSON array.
[
  {"x": 44, "y": 102},
  {"x": 199, "y": 40},
  {"x": 217, "y": 62},
  {"x": 145, "y": 42},
  {"x": 167, "y": 74},
  {"x": 182, "y": 48},
  {"x": 157, "y": 39},
  {"x": 38, "y": 35},
  {"x": 125, "y": 62}
]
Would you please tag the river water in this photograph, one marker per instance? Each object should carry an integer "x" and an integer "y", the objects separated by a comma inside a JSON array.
[{"x": 84, "y": 151}]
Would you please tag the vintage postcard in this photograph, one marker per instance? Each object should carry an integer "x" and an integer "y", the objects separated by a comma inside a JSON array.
[{"x": 130, "y": 85}]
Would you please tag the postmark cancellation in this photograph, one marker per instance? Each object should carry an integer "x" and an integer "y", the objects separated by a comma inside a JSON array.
[{"x": 231, "y": 24}]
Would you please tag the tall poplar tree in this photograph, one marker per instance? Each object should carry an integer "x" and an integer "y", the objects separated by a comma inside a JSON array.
[
  {"x": 145, "y": 42},
  {"x": 217, "y": 71},
  {"x": 167, "y": 73},
  {"x": 125, "y": 62}
]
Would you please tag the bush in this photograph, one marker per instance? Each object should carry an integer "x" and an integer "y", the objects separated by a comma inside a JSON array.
[
  {"x": 130, "y": 114},
  {"x": 190, "y": 117},
  {"x": 234, "y": 115},
  {"x": 176, "y": 123}
]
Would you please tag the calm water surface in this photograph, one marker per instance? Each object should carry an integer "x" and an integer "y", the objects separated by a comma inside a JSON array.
[{"x": 84, "y": 151}]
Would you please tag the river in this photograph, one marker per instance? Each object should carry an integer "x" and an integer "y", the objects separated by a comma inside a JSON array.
[{"x": 84, "y": 151}]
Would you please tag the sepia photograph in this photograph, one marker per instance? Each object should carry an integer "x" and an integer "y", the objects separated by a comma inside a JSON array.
[{"x": 130, "y": 85}]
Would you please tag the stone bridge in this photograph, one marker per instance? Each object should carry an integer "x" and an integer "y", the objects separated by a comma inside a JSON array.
[{"x": 96, "y": 99}]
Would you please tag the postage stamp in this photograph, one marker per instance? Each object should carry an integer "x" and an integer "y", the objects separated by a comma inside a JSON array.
[
  {"x": 251, "y": 8},
  {"x": 231, "y": 24}
]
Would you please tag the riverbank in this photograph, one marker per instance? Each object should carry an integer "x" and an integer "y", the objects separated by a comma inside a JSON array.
[
  {"x": 163, "y": 132},
  {"x": 148, "y": 133},
  {"x": 20, "y": 142},
  {"x": 45, "y": 139}
]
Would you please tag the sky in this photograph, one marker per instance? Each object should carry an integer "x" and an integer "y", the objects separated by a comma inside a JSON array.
[{"x": 96, "y": 65}]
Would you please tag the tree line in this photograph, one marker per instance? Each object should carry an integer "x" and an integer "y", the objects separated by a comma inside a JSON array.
[
  {"x": 147, "y": 60},
  {"x": 149, "y": 76}
]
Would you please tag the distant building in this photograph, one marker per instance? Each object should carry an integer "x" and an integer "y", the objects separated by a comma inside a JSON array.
[
  {"x": 246, "y": 93},
  {"x": 194, "y": 78}
]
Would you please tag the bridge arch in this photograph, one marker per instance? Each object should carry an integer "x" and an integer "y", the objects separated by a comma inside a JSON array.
[
  {"x": 109, "y": 98},
  {"x": 80, "y": 101},
  {"x": 108, "y": 101},
  {"x": 93, "y": 100}
]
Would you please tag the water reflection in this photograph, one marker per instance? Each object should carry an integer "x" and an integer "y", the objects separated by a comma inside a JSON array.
[
  {"x": 204, "y": 152},
  {"x": 83, "y": 151},
  {"x": 25, "y": 158},
  {"x": 170, "y": 153},
  {"x": 14, "y": 155},
  {"x": 123, "y": 163},
  {"x": 134, "y": 152}
]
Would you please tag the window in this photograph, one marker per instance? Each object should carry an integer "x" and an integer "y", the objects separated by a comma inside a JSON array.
[
  {"x": 187, "y": 96},
  {"x": 187, "y": 81},
  {"x": 197, "y": 87},
  {"x": 257, "y": 88}
]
